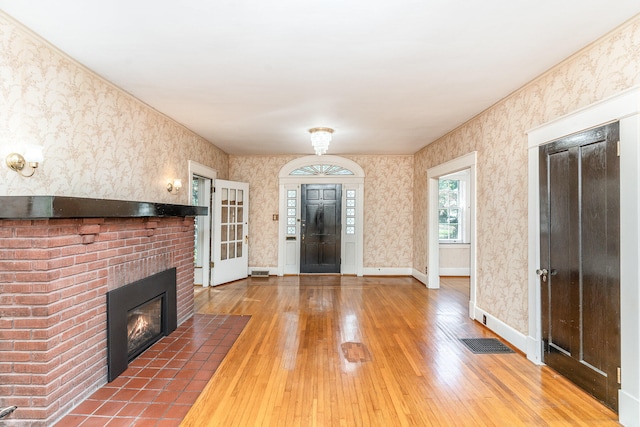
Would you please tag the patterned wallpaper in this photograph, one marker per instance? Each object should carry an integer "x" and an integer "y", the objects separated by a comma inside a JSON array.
[
  {"x": 98, "y": 140},
  {"x": 388, "y": 210},
  {"x": 101, "y": 142},
  {"x": 388, "y": 194},
  {"x": 602, "y": 69},
  {"x": 261, "y": 172}
]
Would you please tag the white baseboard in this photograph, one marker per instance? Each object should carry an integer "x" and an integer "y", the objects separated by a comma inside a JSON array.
[
  {"x": 511, "y": 335},
  {"x": 273, "y": 271},
  {"x": 629, "y": 406},
  {"x": 387, "y": 271},
  {"x": 420, "y": 276},
  {"x": 454, "y": 271}
]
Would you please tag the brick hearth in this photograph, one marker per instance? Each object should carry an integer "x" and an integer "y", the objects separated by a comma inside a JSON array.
[
  {"x": 54, "y": 275},
  {"x": 160, "y": 386}
]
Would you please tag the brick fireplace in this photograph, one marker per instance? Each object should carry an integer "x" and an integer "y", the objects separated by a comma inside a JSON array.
[{"x": 55, "y": 273}]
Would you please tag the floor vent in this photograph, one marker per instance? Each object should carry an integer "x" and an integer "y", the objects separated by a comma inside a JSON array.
[
  {"x": 260, "y": 273},
  {"x": 486, "y": 345}
]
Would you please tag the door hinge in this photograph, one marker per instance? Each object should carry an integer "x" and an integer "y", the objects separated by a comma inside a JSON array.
[
  {"x": 619, "y": 375},
  {"x": 618, "y": 148},
  {"x": 212, "y": 264}
]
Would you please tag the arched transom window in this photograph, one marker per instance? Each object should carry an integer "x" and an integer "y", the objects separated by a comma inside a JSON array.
[{"x": 315, "y": 170}]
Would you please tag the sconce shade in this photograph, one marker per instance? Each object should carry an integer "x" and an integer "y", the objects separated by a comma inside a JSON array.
[{"x": 33, "y": 153}]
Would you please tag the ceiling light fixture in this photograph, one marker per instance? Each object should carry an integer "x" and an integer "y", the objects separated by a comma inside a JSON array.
[{"x": 320, "y": 139}]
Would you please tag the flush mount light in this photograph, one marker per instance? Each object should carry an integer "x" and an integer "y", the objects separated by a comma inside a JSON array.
[{"x": 320, "y": 139}]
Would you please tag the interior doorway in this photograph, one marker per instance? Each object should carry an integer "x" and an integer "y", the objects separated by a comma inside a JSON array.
[
  {"x": 464, "y": 163},
  {"x": 454, "y": 210},
  {"x": 623, "y": 108},
  {"x": 580, "y": 259},
  {"x": 201, "y": 180},
  {"x": 201, "y": 196}
]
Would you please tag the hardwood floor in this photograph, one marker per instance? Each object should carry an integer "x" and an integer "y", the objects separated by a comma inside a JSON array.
[{"x": 372, "y": 351}]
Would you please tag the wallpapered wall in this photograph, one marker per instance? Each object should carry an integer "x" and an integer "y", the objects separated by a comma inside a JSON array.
[
  {"x": 98, "y": 140},
  {"x": 388, "y": 194},
  {"x": 602, "y": 69},
  {"x": 101, "y": 142}
]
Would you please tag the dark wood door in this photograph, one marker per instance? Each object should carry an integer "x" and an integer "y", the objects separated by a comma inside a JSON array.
[
  {"x": 320, "y": 228},
  {"x": 580, "y": 256}
]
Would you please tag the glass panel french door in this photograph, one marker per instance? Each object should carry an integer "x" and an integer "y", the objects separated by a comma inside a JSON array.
[{"x": 231, "y": 236}]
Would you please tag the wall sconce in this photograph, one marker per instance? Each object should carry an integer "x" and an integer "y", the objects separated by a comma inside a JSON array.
[
  {"x": 32, "y": 156},
  {"x": 174, "y": 186}
]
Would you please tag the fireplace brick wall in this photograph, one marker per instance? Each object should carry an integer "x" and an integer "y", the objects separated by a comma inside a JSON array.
[{"x": 54, "y": 276}]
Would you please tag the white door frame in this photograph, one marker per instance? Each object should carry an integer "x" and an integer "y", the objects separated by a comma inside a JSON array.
[
  {"x": 355, "y": 182},
  {"x": 197, "y": 169},
  {"x": 625, "y": 108},
  {"x": 468, "y": 161}
]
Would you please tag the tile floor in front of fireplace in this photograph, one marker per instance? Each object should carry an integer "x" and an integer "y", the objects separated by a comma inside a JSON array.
[{"x": 160, "y": 386}]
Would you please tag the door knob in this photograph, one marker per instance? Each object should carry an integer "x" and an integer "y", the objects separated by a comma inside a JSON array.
[{"x": 542, "y": 272}]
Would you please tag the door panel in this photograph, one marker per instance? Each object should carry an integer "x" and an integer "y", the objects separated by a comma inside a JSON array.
[
  {"x": 580, "y": 199},
  {"x": 595, "y": 270},
  {"x": 231, "y": 239},
  {"x": 564, "y": 261},
  {"x": 320, "y": 228}
]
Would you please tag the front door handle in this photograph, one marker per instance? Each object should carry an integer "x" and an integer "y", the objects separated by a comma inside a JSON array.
[{"x": 542, "y": 272}]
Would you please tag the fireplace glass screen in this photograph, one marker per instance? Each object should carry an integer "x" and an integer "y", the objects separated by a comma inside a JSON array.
[{"x": 144, "y": 326}]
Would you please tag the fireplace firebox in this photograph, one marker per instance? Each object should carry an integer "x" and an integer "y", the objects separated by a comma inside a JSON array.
[
  {"x": 144, "y": 326},
  {"x": 138, "y": 315}
]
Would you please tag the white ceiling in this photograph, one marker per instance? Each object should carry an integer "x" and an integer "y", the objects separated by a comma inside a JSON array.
[{"x": 252, "y": 76}]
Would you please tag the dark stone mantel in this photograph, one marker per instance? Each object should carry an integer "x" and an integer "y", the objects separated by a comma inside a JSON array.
[{"x": 45, "y": 207}]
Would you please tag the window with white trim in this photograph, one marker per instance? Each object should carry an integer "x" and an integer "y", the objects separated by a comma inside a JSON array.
[{"x": 453, "y": 208}]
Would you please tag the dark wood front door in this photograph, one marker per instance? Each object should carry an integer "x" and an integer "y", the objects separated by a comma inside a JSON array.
[
  {"x": 321, "y": 228},
  {"x": 580, "y": 256}
]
